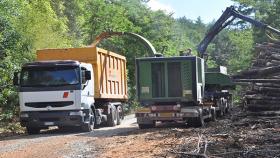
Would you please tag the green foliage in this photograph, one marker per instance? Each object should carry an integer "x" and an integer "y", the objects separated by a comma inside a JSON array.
[
  {"x": 189, "y": 33},
  {"x": 12, "y": 53},
  {"x": 28, "y": 25},
  {"x": 266, "y": 11},
  {"x": 242, "y": 41},
  {"x": 25, "y": 26},
  {"x": 41, "y": 26},
  {"x": 101, "y": 16},
  {"x": 232, "y": 48}
]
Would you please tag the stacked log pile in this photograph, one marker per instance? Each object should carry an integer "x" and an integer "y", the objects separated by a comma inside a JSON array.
[{"x": 264, "y": 79}]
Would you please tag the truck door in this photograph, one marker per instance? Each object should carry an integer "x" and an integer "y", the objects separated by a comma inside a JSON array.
[{"x": 87, "y": 86}]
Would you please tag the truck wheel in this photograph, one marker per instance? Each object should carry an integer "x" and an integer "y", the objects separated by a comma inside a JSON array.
[
  {"x": 119, "y": 115},
  {"x": 220, "y": 113},
  {"x": 213, "y": 115},
  {"x": 224, "y": 111},
  {"x": 146, "y": 126},
  {"x": 32, "y": 130},
  {"x": 122, "y": 116},
  {"x": 196, "y": 121},
  {"x": 227, "y": 108},
  {"x": 209, "y": 113},
  {"x": 112, "y": 117},
  {"x": 89, "y": 126}
]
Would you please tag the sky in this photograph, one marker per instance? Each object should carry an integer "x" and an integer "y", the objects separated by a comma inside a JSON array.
[{"x": 208, "y": 10}]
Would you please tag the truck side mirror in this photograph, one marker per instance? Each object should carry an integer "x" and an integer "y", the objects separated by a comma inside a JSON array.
[
  {"x": 15, "y": 79},
  {"x": 87, "y": 75}
]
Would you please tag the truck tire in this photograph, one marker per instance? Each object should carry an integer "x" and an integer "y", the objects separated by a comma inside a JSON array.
[
  {"x": 213, "y": 115},
  {"x": 220, "y": 113},
  {"x": 89, "y": 125},
  {"x": 112, "y": 117},
  {"x": 119, "y": 115},
  {"x": 147, "y": 126},
  {"x": 32, "y": 130},
  {"x": 227, "y": 108},
  {"x": 196, "y": 121}
]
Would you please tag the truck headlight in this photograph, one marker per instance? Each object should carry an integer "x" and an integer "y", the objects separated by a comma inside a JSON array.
[
  {"x": 24, "y": 115},
  {"x": 73, "y": 113}
]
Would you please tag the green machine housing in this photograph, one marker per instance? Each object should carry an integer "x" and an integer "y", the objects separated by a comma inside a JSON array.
[
  {"x": 217, "y": 86},
  {"x": 167, "y": 80},
  {"x": 218, "y": 79}
]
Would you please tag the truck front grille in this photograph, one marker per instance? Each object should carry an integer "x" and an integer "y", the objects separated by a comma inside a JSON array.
[{"x": 51, "y": 104}]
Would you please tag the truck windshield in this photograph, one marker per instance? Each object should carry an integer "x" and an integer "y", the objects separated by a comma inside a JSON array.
[{"x": 51, "y": 76}]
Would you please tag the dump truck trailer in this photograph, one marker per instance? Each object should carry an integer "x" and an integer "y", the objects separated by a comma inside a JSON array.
[{"x": 73, "y": 87}]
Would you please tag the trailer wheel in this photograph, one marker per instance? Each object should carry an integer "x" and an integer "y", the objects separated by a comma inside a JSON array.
[
  {"x": 89, "y": 126},
  {"x": 32, "y": 130},
  {"x": 227, "y": 109},
  {"x": 213, "y": 115},
  {"x": 196, "y": 121},
  {"x": 220, "y": 113},
  {"x": 119, "y": 115},
  {"x": 112, "y": 117},
  {"x": 147, "y": 126}
]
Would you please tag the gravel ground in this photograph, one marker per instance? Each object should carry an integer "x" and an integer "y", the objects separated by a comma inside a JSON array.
[
  {"x": 236, "y": 135},
  {"x": 56, "y": 143}
]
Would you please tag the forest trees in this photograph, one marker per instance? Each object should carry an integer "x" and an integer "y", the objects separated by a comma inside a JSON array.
[
  {"x": 28, "y": 25},
  {"x": 24, "y": 27}
]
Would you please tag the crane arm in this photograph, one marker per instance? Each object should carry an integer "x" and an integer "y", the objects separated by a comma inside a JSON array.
[
  {"x": 144, "y": 41},
  {"x": 223, "y": 21}
]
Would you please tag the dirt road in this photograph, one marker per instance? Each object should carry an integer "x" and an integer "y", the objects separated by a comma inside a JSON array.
[
  {"x": 236, "y": 135},
  {"x": 56, "y": 143}
]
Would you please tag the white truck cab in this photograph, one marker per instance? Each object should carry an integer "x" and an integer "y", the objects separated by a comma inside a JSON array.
[{"x": 56, "y": 93}]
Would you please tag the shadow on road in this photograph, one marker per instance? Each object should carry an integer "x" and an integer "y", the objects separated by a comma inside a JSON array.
[{"x": 44, "y": 133}]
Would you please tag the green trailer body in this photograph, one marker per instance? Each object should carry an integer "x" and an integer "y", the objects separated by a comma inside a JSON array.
[
  {"x": 178, "y": 89},
  {"x": 219, "y": 81},
  {"x": 170, "y": 79}
]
